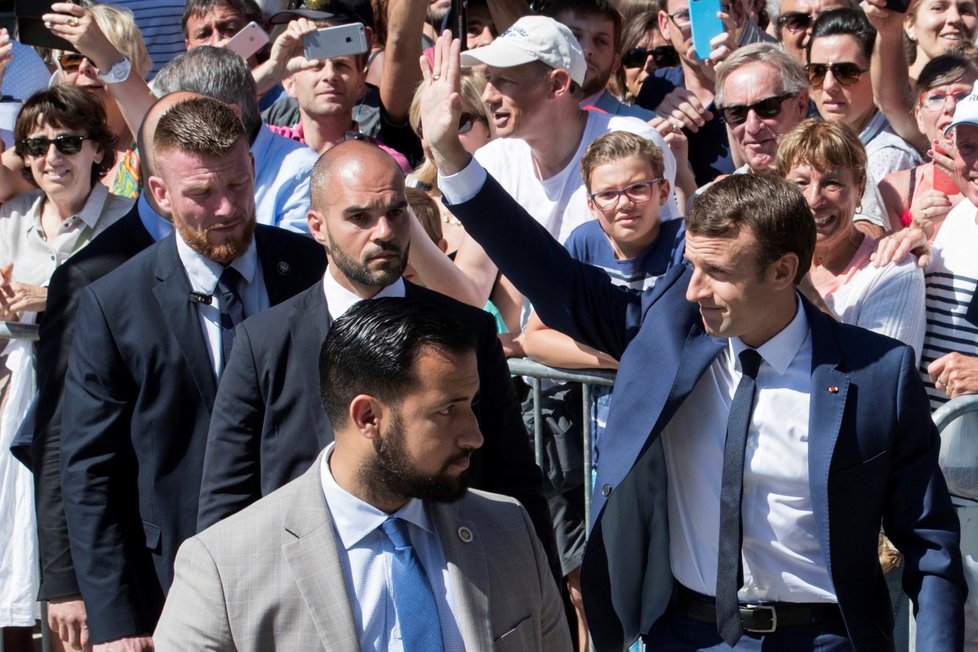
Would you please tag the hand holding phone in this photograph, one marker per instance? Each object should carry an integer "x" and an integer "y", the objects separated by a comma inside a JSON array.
[
  {"x": 705, "y": 25},
  {"x": 248, "y": 41},
  {"x": 339, "y": 41}
]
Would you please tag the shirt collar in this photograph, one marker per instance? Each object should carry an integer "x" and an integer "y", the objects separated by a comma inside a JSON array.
[
  {"x": 92, "y": 210},
  {"x": 781, "y": 349},
  {"x": 158, "y": 226},
  {"x": 354, "y": 519},
  {"x": 339, "y": 299},
  {"x": 204, "y": 273}
]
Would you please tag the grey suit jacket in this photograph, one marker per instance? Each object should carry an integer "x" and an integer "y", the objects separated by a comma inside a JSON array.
[{"x": 269, "y": 577}]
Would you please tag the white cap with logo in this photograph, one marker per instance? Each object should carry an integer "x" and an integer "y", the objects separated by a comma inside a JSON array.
[
  {"x": 532, "y": 38},
  {"x": 966, "y": 111}
]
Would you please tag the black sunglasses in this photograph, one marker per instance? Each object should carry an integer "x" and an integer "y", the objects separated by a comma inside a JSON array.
[
  {"x": 664, "y": 56},
  {"x": 845, "y": 72},
  {"x": 465, "y": 123},
  {"x": 795, "y": 21},
  {"x": 67, "y": 145},
  {"x": 769, "y": 107}
]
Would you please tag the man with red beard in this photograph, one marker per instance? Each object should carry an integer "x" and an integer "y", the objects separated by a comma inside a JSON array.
[{"x": 142, "y": 374}]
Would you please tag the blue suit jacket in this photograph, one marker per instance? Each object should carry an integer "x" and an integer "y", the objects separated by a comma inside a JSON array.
[
  {"x": 137, "y": 404},
  {"x": 872, "y": 447}
]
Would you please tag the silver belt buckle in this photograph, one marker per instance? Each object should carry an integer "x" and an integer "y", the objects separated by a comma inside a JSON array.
[{"x": 753, "y": 609}]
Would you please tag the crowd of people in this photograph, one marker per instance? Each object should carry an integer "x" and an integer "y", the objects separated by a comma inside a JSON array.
[{"x": 269, "y": 405}]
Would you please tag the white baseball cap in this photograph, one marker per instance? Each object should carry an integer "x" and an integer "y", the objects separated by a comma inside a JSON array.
[
  {"x": 966, "y": 111},
  {"x": 532, "y": 38}
]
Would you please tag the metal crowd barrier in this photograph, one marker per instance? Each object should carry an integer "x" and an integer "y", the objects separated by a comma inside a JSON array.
[{"x": 587, "y": 378}]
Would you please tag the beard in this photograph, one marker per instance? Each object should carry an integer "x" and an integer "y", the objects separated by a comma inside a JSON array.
[
  {"x": 359, "y": 272},
  {"x": 391, "y": 473},
  {"x": 224, "y": 252}
]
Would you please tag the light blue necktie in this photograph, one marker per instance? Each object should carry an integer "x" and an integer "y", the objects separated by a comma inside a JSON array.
[{"x": 414, "y": 600}]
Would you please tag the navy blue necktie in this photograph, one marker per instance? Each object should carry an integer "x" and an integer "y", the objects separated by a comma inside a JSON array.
[
  {"x": 232, "y": 310},
  {"x": 414, "y": 600},
  {"x": 730, "y": 572}
]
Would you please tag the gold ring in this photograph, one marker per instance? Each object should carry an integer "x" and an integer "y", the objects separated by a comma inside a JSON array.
[
  {"x": 73, "y": 21},
  {"x": 435, "y": 77}
]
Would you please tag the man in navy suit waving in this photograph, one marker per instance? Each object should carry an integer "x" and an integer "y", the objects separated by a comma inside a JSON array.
[{"x": 755, "y": 446}]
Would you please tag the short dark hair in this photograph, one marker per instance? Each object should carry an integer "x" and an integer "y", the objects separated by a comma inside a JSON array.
[
  {"x": 68, "y": 107},
  {"x": 372, "y": 348},
  {"x": 947, "y": 68},
  {"x": 201, "y": 125},
  {"x": 844, "y": 22},
  {"x": 771, "y": 207},
  {"x": 584, "y": 8},
  {"x": 250, "y": 9}
]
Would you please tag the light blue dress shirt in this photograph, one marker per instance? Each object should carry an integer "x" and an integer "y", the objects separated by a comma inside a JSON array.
[
  {"x": 282, "y": 172},
  {"x": 366, "y": 555}
]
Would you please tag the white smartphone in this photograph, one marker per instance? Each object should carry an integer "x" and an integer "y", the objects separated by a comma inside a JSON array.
[
  {"x": 339, "y": 41},
  {"x": 248, "y": 41}
]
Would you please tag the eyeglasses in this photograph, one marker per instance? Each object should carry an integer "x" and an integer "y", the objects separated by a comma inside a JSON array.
[
  {"x": 681, "y": 18},
  {"x": 664, "y": 56},
  {"x": 638, "y": 193},
  {"x": 683, "y": 21},
  {"x": 70, "y": 61},
  {"x": 845, "y": 72},
  {"x": 796, "y": 21},
  {"x": 67, "y": 145},
  {"x": 769, "y": 107},
  {"x": 934, "y": 100},
  {"x": 465, "y": 123}
]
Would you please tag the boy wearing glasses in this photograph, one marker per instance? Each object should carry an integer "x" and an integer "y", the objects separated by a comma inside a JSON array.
[{"x": 623, "y": 176}]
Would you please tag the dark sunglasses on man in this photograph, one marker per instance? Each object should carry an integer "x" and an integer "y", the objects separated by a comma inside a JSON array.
[
  {"x": 769, "y": 107},
  {"x": 65, "y": 144},
  {"x": 846, "y": 73},
  {"x": 795, "y": 21},
  {"x": 664, "y": 56}
]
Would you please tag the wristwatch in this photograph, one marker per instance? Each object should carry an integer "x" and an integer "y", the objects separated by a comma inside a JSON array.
[{"x": 118, "y": 73}]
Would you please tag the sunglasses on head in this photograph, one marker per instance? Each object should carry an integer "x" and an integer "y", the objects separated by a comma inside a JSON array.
[
  {"x": 67, "y": 145},
  {"x": 795, "y": 21},
  {"x": 70, "y": 61},
  {"x": 845, "y": 72},
  {"x": 465, "y": 123},
  {"x": 769, "y": 107},
  {"x": 664, "y": 56}
]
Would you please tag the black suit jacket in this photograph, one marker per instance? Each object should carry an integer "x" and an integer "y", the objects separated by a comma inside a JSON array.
[
  {"x": 137, "y": 405},
  {"x": 268, "y": 422},
  {"x": 114, "y": 246}
]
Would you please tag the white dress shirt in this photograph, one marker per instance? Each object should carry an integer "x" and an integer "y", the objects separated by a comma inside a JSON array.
[
  {"x": 366, "y": 555},
  {"x": 203, "y": 274},
  {"x": 339, "y": 299},
  {"x": 783, "y": 561}
]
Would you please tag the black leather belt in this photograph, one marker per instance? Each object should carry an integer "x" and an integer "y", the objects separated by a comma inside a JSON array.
[{"x": 757, "y": 618}]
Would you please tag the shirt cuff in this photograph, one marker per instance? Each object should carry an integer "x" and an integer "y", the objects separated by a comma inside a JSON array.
[{"x": 462, "y": 186}]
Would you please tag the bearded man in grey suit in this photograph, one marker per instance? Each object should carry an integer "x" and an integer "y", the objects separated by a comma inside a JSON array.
[{"x": 380, "y": 545}]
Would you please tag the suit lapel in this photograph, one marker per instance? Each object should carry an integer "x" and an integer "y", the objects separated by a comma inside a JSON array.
[
  {"x": 309, "y": 547},
  {"x": 173, "y": 294},
  {"x": 276, "y": 269},
  {"x": 468, "y": 573},
  {"x": 829, "y": 390},
  {"x": 309, "y": 324}
]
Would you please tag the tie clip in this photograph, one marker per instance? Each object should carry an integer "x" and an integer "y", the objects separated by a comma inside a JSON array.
[{"x": 200, "y": 297}]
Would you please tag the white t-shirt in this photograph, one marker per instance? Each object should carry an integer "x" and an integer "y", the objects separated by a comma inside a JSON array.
[
  {"x": 560, "y": 202},
  {"x": 887, "y": 300}
]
